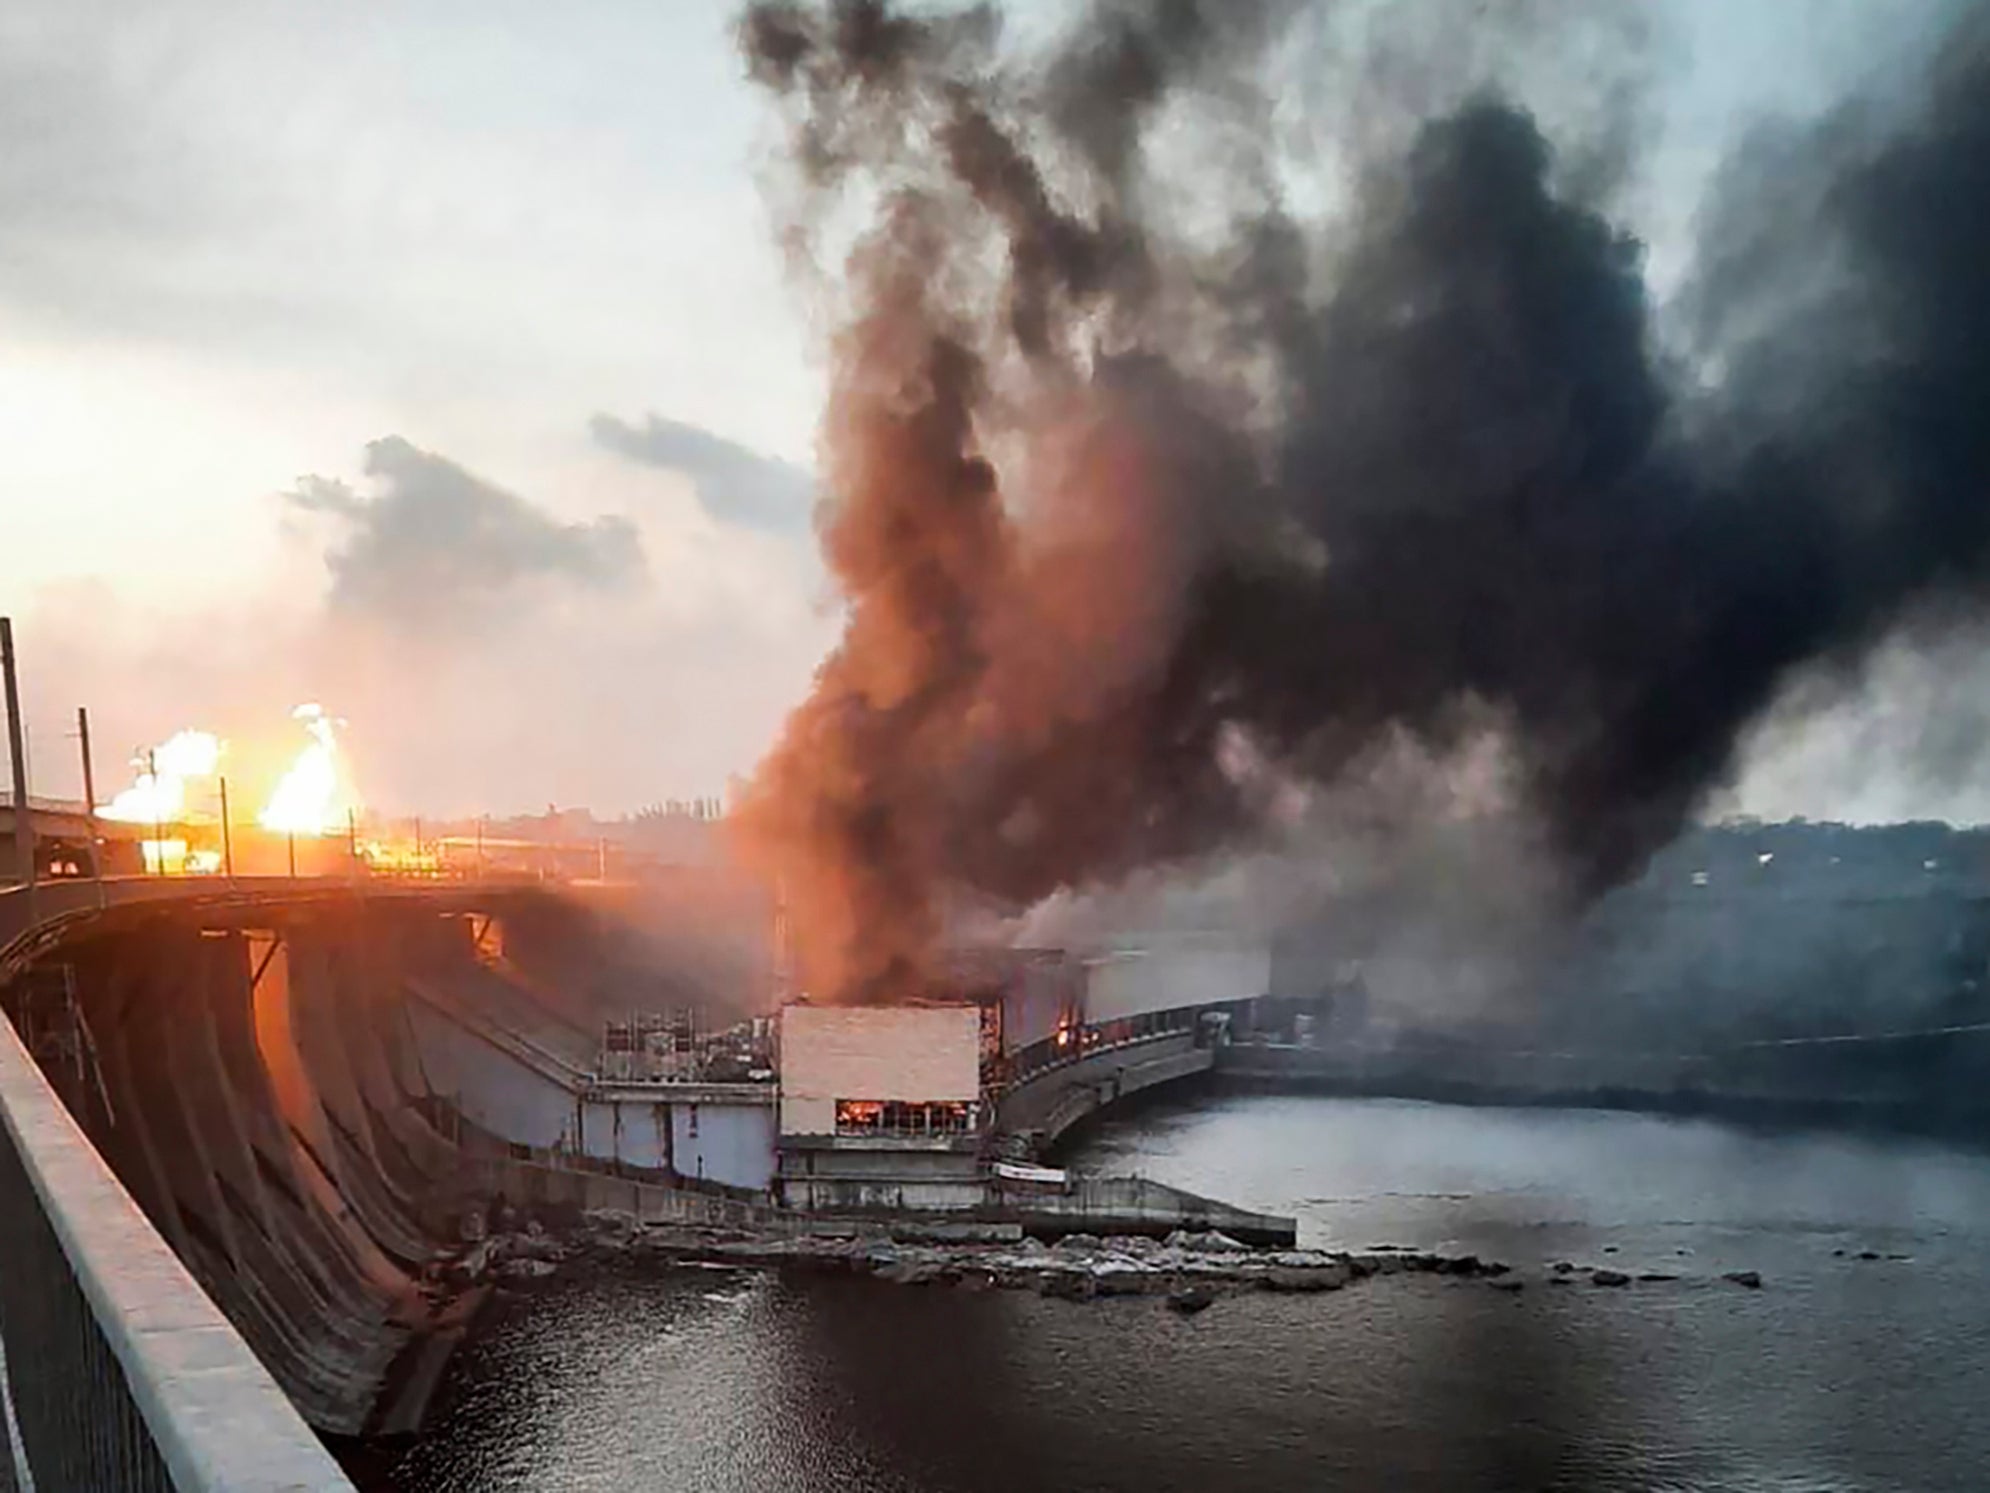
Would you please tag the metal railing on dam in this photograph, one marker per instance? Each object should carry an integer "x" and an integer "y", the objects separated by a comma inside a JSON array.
[
  {"x": 116, "y": 1370},
  {"x": 1054, "y": 1083}
]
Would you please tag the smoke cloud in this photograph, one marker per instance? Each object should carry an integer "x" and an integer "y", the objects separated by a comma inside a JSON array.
[
  {"x": 1176, "y": 475},
  {"x": 438, "y": 545}
]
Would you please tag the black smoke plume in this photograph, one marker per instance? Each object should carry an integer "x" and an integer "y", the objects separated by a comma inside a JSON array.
[{"x": 1157, "y": 490}]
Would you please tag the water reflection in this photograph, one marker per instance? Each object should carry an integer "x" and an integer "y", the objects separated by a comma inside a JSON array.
[{"x": 1839, "y": 1374}]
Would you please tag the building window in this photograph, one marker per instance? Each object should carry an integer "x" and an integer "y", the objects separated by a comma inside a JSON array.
[{"x": 895, "y": 1117}]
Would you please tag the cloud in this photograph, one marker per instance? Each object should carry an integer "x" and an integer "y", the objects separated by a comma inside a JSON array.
[
  {"x": 735, "y": 484},
  {"x": 436, "y": 542},
  {"x": 489, "y": 654}
]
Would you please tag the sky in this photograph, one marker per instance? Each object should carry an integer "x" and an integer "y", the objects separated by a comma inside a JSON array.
[{"x": 438, "y": 362}]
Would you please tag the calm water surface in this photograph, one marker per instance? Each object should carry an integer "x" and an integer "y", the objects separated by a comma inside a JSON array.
[{"x": 1839, "y": 1375}]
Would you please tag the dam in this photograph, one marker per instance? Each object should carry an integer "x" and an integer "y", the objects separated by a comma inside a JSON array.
[{"x": 305, "y": 1095}]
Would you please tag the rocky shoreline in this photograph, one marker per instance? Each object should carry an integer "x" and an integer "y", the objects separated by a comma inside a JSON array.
[{"x": 1191, "y": 1271}]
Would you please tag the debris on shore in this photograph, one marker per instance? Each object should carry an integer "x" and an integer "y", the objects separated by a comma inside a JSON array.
[{"x": 1190, "y": 1271}]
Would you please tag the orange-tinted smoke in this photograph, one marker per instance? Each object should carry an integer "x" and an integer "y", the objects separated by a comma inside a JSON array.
[{"x": 916, "y": 541}]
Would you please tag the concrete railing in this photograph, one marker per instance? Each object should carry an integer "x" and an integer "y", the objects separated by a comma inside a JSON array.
[
  {"x": 33, "y": 918},
  {"x": 116, "y": 1370}
]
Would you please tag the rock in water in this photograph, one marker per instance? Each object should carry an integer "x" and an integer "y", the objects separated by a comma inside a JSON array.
[
  {"x": 1189, "y": 1300},
  {"x": 1749, "y": 1278},
  {"x": 1608, "y": 1278}
]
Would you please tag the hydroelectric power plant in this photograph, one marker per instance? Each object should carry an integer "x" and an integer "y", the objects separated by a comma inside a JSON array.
[
  {"x": 261, "y": 1131},
  {"x": 273, "y": 1142},
  {"x": 307, "y": 1088}
]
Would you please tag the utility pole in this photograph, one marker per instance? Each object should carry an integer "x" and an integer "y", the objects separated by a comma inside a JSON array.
[
  {"x": 227, "y": 840},
  {"x": 90, "y": 801},
  {"x": 352, "y": 842},
  {"x": 290, "y": 839},
  {"x": 158, "y": 822},
  {"x": 24, "y": 819}
]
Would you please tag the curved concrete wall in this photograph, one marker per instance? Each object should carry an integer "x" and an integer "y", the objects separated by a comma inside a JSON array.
[
  {"x": 262, "y": 1091},
  {"x": 257, "y": 1109},
  {"x": 287, "y": 1088},
  {"x": 125, "y": 1374},
  {"x": 1052, "y": 1101}
]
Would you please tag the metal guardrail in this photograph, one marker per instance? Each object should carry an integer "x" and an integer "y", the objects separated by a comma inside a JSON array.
[
  {"x": 118, "y": 1371},
  {"x": 1076, "y": 1044}
]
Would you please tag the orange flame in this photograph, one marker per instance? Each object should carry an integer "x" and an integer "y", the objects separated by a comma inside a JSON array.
[
  {"x": 312, "y": 797},
  {"x": 159, "y": 795}
]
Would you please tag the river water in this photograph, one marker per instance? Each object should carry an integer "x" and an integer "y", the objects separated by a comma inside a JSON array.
[{"x": 1840, "y": 1374}]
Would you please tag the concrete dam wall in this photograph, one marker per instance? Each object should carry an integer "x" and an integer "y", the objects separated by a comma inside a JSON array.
[{"x": 288, "y": 1091}]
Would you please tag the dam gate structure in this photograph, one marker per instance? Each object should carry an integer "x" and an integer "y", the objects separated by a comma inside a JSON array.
[
  {"x": 116, "y": 1370},
  {"x": 250, "y": 1111}
]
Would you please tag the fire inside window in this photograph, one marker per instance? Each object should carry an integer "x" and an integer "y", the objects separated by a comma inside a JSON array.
[{"x": 890, "y": 1117}]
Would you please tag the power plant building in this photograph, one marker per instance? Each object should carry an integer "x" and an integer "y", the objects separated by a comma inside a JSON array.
[{"x": 880, "y": 1107}]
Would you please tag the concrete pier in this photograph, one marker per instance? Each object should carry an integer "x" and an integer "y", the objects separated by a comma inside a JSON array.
[{"x": 1140, "y": 1206}]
